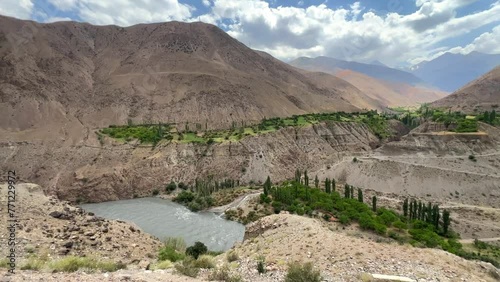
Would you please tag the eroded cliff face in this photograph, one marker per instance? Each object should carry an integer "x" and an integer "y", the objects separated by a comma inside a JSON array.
[{"x": 92, "y": 172}]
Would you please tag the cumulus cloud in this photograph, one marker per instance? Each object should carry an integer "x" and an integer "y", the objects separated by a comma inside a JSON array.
[
  {"x": 21, "y": 9},
  {"x": 488, "y": 42},
  {"x": 348, "y": 33},
  {"x": 125, "y": 12}
]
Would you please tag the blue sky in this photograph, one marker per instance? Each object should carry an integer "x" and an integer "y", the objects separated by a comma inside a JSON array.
[{"x": 395, "y": 32}]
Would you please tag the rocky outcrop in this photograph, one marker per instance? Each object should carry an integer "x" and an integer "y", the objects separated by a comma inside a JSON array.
[{"x": 57, "y": 228}]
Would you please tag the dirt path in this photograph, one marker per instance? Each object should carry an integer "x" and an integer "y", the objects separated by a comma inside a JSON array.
[
  {"x": 235, "y": 204},
  {"x": 382, "y": 158},
  {"x": 470, "y": 241}
]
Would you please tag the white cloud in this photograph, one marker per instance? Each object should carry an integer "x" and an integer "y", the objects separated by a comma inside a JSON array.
[
  {"x": 348, "y": 33},
  {"x": 21, "y": 9},
  {"x": 126, "y": 12},
  {"x": 206, "y": 3},
  {"x": 488, "y": 42},
  {"x": 64, "y": 5},
  {"x": 57, "y": 19}
]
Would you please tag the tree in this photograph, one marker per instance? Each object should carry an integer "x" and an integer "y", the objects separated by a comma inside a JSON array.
[
  {"x": 446, "y": 221},
  {"x": 493, "y": 116},
  {"x": 436, "y": 217},
  {"x": 196, "y": 250},
  {"x": 332, "y": 184},
  {"x": 171, "y": 186},
  {"x": 411, "y": 210},
  {"x": 486, "y": 117},
  {"x": 267, "y": 186},
  {"x": 306, "y": 179},
  {"x": 316, "y": 182},
  {"x": 405, "y": 208},
  {"x": 374, "y": 203},
  {"x": 347, "y": 191},
  {"x": 327, "y": 186},
  {"x": 360, "y": 195},
  {"x": 352, "y": 192},
  {"x": 297, "y": 175}
]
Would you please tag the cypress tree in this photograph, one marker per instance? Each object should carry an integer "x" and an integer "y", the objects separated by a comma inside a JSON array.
[
  {"x": 415, "y": 209},
  {"x": 352, "y": 192},
  {"x": 446, "y": 221},
  {"x": 297, "y": 175},
  {"x": 347, "y": 190},
  {"x": 267, "y": 186},
  {"x": 306, "y": 179},
  {"x": 327, "y": 186},
  {"x": 405, "y": 208},
  {"x": 429, "y": 213},
  {"x": 411, "y": 210},
  {"x": 316, "y": 182},
  {"x": 360, "y": 195},
  {"x": 332, "y": 184},
  {"x": 436, "y": 217},
  {"x": 374, "y": 203}
]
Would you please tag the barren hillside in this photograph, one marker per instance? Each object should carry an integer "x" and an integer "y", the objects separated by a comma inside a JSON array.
[
  {"x": 481, "y": 94},
  {"x": 389, "y": 87},
  {"x": 66, "y": 76}
]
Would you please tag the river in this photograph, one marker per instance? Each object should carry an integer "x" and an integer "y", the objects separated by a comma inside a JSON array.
[{"x": 164, "y": 218}]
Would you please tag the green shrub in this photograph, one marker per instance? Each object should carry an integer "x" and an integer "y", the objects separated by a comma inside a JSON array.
[
  {"x": 171, "y": 186},
  {"x": 169, "y": 253},
  {"x": 400, "y": 225},
  {"x": 166, "y": 264},
  {"x": 33, "y": 263},
  {"x": 187, "y": 267},
  {"x": 4, "y": 263},
  {"x": 232, "y": 256},
  {"x": 261, "y": 264},
  {"x": 302, "y": 272},
  {"x": 205, "y": 261},
  {"x": 184, "y": 197},
  {"x": 177, "y": 243},
  {"x": 380, "y": 229},
  {"x": 196, "y": 250},
  {"x": 72, "y": 264},
  {"x": 223, "y": 274}
]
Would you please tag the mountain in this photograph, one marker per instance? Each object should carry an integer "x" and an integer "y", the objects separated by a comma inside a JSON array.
[
  {"x": 390, "y": 92},
  {"x": 331, "y": 65},
  {"x": 63, "y": 78},
  {"x": 481, "y": 94},
  {"x": 450, "y": 71}
]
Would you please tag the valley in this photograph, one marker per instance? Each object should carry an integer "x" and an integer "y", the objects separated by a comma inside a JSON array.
[{"x": 173, "y": 151}]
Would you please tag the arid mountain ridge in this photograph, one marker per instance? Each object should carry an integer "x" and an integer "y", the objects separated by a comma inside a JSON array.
[
  {"x": 479, "y": 95},
  {"x": 390, "y": 87},
  {"x": 93, "y": 76}
]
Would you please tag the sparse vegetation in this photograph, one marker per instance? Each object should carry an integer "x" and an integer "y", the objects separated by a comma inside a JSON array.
[
  {"x": 232, "y": 256},
  {"x": 302, "y": 272},
  {"x": 153, "y": 133},
  {"x": 223, "y": 274}
]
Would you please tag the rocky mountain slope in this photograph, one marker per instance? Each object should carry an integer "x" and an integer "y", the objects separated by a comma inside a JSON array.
[
  {"x": 451, "y": 71},
  {"x": 481, "y": 94},
  {"x": 93, "y": 172},
  {"x": 68, "y": 76},
  {"x": 55, "y": 228},
  {"x": 389, "y": 87}
]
